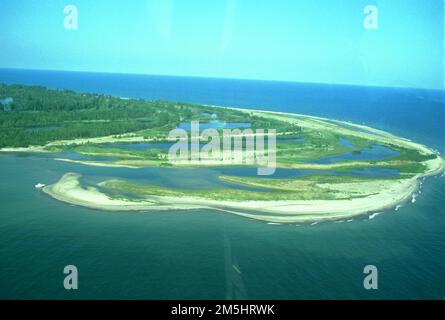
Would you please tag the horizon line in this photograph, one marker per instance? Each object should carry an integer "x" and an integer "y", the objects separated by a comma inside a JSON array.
[{"x": 228, "y": 78}]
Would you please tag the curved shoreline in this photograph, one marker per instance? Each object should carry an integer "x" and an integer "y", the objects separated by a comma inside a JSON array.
[{"x": 68, "y": 190}]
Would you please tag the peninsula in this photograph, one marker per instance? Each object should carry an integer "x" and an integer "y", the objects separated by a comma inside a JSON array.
[{"x": 330, "y": 169}]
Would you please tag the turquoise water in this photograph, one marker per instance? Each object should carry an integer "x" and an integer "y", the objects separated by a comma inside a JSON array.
[
  {"x": 215, "y": 124},
  {"x": 187, "y": 255}
]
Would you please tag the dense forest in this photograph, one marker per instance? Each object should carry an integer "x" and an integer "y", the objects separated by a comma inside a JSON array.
[{"x": 36, "y": 115}]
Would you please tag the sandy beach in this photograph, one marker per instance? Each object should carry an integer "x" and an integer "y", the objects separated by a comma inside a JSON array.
[{"x": 390, "y": 194}]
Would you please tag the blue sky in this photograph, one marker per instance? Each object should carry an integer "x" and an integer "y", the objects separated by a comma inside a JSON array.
[{"x": 290, "y": 40}]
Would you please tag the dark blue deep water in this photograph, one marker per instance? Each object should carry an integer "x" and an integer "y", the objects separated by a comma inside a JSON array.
[{"x": 184, "y": 255}]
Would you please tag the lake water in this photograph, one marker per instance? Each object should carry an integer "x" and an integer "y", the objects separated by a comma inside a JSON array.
[
  {"x": 374, "y": 152},
  {"x": 184, "y": 255}
]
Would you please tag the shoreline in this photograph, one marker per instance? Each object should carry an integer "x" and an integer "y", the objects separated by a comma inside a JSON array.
[{"x": 68, "y": 190}]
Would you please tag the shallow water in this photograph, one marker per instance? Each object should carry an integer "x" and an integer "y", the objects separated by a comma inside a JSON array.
[{"x": 374, "y": 152}]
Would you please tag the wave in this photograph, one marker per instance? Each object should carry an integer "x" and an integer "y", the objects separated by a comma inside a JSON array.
[{"x": 372, "y": 216}]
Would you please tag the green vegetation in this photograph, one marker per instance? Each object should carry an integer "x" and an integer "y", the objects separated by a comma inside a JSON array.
[
  {"x": 70, "y": 115},
  {"x": 266, "y": 190},
  {"x": 122, "y": 154},
  {"x": 39, "y": 115}
]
